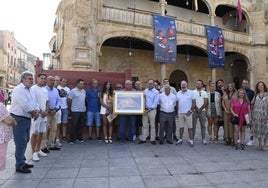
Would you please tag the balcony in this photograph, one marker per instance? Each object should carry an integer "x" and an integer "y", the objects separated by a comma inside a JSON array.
[
  {"x": 21, "y": 66},
  {"x": 145, "y": 19}
]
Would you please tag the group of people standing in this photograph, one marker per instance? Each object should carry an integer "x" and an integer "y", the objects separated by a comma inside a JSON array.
[
  {"x": 38, "y": 110},
  {"x": 41, "y": 113},
  {"x": 250, "y": 107}
]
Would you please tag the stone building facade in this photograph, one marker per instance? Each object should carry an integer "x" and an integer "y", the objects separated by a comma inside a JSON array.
[
  {"x": 14, "y": 59},
  {"x": 94, "y": 35}
]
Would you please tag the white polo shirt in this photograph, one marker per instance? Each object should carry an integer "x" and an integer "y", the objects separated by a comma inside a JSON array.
[{"x": 185, "y": 100}]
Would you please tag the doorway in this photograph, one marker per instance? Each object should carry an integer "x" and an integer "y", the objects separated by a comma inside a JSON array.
[{"x": 176, "y": 77}]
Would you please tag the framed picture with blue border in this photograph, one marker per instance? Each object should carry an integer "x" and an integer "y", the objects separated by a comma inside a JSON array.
[{"x": 128, "y": 102}]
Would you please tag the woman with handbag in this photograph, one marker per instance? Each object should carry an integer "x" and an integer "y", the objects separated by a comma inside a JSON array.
[
  {"x": 6, "y": 133},
  {"x": 228, "y": 95},
  {"x": 240, "y": 107},
  {"x": 260, "y": 115},
  {"x": 106, "y": 101}
]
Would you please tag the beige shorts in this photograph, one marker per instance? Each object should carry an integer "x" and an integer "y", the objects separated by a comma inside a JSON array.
[{"x": 185, "y": 121}]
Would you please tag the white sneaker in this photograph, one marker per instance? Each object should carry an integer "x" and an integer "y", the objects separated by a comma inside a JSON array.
[
  {"x": 204, "y": 142},
  {"x": 179, "y": 141},
  {"x": 42, "y": 154},
  {"x": 191, "y": 143},
  {"x": 238, "y": 141},
  {"x": 58, "y": 143},
  {"x": 250, "y": 143},
  {"x": 35, "y": 157}
]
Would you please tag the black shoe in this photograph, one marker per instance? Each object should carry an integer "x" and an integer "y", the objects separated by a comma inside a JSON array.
[
  {"x": 236, "y": 147},
  {"x": 142, "y": 142},
  {"x": 64, "y": 139},
  {"x": 153, "y": 142},
  {"x": 23, "y": 169},
  {"x": 28, "y": 165},
  {"x": 99, "y": 138},
  {"x": 54, "y": 148},
  {"x": 45, "y": 150},
  {"x": 157, "y": 138},
  {"x": 89, "y": 138},
  {"x": 169, "y": 142},
  {"x": 161, "y": 142}
]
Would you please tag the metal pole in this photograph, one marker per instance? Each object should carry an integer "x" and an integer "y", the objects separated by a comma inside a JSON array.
[{"x": 162, "y": 4}]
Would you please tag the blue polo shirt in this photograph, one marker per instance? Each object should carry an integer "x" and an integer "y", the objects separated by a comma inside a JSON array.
[{"x": 93, "y": 100}]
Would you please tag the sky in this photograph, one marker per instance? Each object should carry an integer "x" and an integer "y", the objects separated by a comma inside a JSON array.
[{"x": 31, "y": 21}]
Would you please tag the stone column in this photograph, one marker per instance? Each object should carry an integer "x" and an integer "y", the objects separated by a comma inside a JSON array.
[
  {"x": 162, "y": 4},
  {"x": 213, "y": 70}
]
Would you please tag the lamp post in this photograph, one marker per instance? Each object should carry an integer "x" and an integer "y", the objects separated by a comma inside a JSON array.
[{"x": 162, "y": 4}]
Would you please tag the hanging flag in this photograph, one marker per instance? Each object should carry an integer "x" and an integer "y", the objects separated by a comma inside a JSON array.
[
  {"x": 215, "y": 46},
  {"x": 239, "y": 11},
  {"x": 165, "y": 43},
  {"x": 196, "y": 5}
]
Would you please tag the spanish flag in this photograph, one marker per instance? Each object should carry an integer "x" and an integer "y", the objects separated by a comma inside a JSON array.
[{"x": 196, "y": 5}]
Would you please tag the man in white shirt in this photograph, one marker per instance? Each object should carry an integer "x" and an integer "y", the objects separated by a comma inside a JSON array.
[
  {"x": 63, "y": 92},
  {"x": 23, "y": 108},
  {"x": 185, "y": 106},
  {"x": 199, "y": 111},
  {"x": 167, "y": 102},
  {"x": 39, "y": 124}
]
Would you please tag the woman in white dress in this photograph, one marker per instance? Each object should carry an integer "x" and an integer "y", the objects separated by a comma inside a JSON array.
[{"x": 106, "y": 101}]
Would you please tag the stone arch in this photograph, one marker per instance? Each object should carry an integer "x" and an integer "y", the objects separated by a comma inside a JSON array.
[
  {"x": 244, "y": 9},
  {"x": 239, "y": 55},
  {"x": 209, "y": 7},
  {"x": 195, "y": 43},
  {"x": 239, "y": 67},
  {"x": 128, "y": 33},
  {"x": 176, "y": 77}
]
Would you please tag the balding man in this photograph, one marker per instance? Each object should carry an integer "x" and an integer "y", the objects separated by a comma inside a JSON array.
[
  {"x": 124, "y": 119},
  {"x": 167, "y": 102},
  {"x": 185, "y": 105},
  {"x": 151, "y": 102},
  {"x": 53, "y": 108}
]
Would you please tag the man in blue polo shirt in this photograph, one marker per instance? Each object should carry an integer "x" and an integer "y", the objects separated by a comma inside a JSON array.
[{"x": 93, "y": 108}]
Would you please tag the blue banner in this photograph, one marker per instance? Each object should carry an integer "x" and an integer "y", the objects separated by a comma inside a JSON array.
[
  {"x": 165, "y": 43},
  {"x": 215, "y": 46}
]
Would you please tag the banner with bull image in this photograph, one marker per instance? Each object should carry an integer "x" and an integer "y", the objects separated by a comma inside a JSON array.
[
  {"x": 215, "y": 46},
  {"x": 165, "y": 44}
]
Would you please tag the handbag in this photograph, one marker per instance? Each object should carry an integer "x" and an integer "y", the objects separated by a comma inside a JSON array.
[
  {"x": 220, "y": 122},
  {"x": 234, "y": 119},
  {"x": 10, "y": 121}
]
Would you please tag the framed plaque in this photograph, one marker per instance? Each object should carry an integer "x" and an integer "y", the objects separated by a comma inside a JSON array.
[{"x": 128, "y": 102}]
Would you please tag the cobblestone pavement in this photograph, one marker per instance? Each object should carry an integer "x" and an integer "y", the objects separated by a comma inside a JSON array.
[{"x": 96, "y": 164}]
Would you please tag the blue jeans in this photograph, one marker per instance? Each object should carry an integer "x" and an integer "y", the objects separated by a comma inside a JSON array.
[
  {"x": 123, "y": 120},
  {"x": 21, "y": 138}
]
